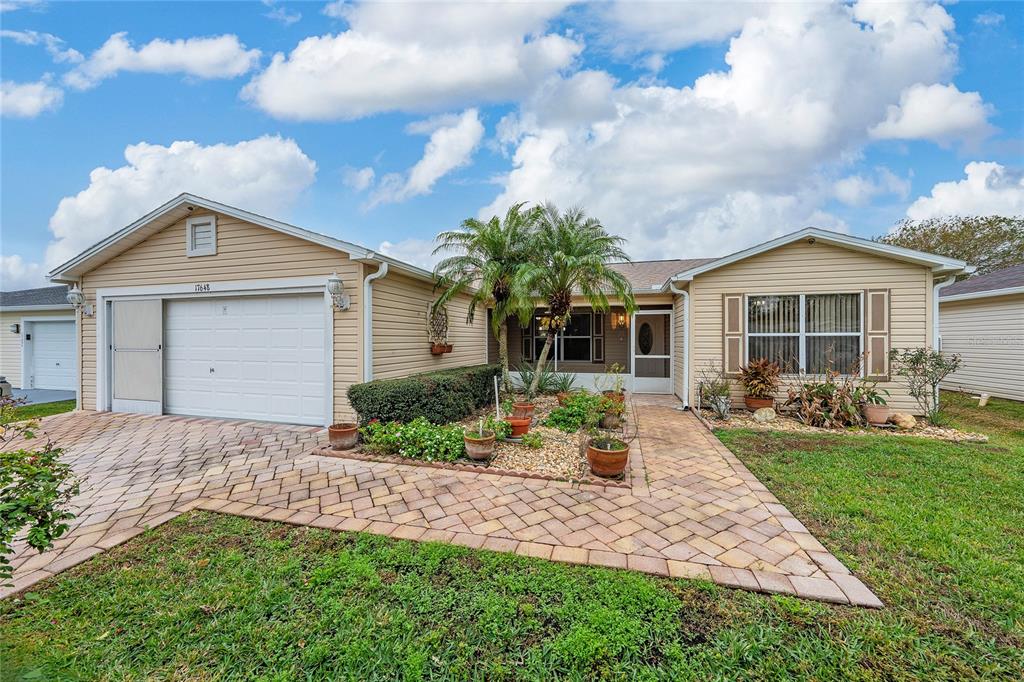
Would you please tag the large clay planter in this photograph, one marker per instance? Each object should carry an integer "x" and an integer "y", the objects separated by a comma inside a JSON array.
[
  {"x": 519, "y": 425},
  {"x": 607, "y": 463},
  {"x": 437, "y": 349},
  {"x": 877, "y": 414},
  {"x": 480, "y": 449},
  {"x": 755, "y": 404},
  {"x": 343, "y": 436},
  {"x": 523, "y": 410}
]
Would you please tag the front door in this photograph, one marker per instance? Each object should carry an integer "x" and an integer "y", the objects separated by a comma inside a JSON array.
[
  {"x": 136, "y": 332},
  {"x": 652, "y": 351}
]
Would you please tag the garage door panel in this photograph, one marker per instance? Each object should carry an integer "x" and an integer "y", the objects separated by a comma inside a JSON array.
[
  {"x": 267, "y": 353},
  {"x": 52, "y": 354}
]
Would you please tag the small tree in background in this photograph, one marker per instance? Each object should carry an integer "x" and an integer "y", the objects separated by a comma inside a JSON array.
[
  {"x": 35, "y": 488},
  {"x": 923, "y": 370},
  {"x": 988, "y": 242}
]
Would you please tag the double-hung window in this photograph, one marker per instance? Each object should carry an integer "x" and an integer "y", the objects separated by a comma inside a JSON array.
[
  {"x": 573, "y": 344},
  {"x": 809, "y": 333}
]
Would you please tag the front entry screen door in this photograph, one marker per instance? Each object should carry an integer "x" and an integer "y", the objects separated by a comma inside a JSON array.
[
  {"x": 652, "y": 352},
  {"x": 136, "y": 332}
]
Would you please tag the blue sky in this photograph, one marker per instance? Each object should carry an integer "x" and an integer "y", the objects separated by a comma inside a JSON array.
[{"x": 692, "y": 129}]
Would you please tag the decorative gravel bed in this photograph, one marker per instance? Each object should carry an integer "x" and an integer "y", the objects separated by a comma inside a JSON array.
[{"x": 745, "y": 420}]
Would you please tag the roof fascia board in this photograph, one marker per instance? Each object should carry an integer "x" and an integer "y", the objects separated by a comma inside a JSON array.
[
  {"x": 938, "y": 263},
  {"x": 9, "y": 308},
  {"x": 1009, "y": 291}
]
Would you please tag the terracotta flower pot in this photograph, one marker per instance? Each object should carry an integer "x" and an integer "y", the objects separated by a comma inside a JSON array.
[
  {"x": 523, "y": 410},
  {"x": 448, "y": 348},
  {"x": 519, "y": 425},
  {"x": 607, "y": 463},
  {"x": 437, "y": 349},
  {"x": 617, "y": 396},
  {"x": 877, "y": 414},
  {"x": 755, "y": 404},
  {"x": 343, "y": 436},
  {"x": 480, "y": 449}
]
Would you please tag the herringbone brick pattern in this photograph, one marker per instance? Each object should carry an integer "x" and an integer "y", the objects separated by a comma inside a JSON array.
[{"x": 693, "y": 509}]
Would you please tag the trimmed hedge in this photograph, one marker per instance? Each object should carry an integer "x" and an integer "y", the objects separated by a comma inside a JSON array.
[{"x": 443, "y": 396}]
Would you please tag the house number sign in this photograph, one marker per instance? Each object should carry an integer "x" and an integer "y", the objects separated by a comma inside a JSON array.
[{"x": 202, "y": 287}]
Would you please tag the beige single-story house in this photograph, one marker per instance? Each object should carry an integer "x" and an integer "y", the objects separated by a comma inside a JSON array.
[
  {"x": 199, "y": 308},
  {"x": 37, "y": 339},
  {"x": 982, "y": 319},
  {"x": 811, "y": 300}
]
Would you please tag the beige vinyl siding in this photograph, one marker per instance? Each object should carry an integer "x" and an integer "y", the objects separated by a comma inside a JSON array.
[
  {"x": 812, "y": 268},
  {"x": 10, "y": 343},
  {"x": 678, "y": 345},
  {"x": 988, "y": 333},
  {"x": 244, "y": 252},
  {"x": 400, "y": 343}
]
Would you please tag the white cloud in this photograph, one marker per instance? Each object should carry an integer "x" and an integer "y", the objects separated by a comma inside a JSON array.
[
  {"x": 16, "y": 274},
  {"x": 988, "y": 189},
  {"x": 668, "y": 26},
  {"x": 264, "y": 175},
  {"x": 417, "y": 252},
  {"x": 12, "y": 5},
  {"x": 989, "y": 19},
  {"x": 336, "y": 10},
  {"x": 55, "y": 46},
  {"x": 358, "y": 179},
  {"x": 744, "y": 153},
  {"x": 414, "y": 57},
  {"x": 940, "y": 113},
  {"x": 857, "y": 190},
  {"x": 28, "y": 100},
  {"x": 221, "y": 56},
  {"x": 451, "y": 146},
  {"x": 281, "y": 13}
]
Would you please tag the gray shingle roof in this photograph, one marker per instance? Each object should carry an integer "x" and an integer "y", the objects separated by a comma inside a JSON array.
[
  {"x": 647, "y": 274},
  {"x": 44, "y": 296},
  {"x": 1007, "y": 278}
]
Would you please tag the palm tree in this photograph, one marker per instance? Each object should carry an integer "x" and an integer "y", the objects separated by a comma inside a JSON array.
[
  {"x": 488, "y": 257},
  {"x": 571, "y": 256}
]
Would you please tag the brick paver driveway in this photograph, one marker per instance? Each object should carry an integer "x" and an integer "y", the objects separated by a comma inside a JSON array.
[{"x": 695, "y": 512}]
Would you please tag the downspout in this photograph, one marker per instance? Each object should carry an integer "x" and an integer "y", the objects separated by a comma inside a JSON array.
[
  {"x": 686, "y": 341},
  {"x": 936, "y": 288},
  {"x": 382, "y": 270}
]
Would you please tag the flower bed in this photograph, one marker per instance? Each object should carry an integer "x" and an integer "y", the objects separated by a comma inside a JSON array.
[{"x": 745, "y": 420}]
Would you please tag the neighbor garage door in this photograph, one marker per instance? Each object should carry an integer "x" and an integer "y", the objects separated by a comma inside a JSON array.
[
  {"x": 252, "y": 357},
  {"x": 52, "y": 363}
]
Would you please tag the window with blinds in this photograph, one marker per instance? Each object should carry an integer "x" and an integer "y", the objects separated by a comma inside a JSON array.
[
  {"x": 810, "y": 333},
  {"x": 201, "y": 236}
]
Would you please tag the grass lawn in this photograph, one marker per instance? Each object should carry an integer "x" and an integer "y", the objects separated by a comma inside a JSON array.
[
  {"x": 934, "y": 528},
  {"x": 42, "y": 409}
]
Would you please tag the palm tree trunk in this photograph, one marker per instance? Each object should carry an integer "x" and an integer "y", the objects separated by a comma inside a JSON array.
[
  {"x": 542, "y": 360},
  {"x": 506, "y": 379}
]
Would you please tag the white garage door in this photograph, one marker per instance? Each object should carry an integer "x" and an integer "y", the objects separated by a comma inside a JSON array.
[
  {"x": 251, "y": 357},
  {"x": 52, "y": 355}
]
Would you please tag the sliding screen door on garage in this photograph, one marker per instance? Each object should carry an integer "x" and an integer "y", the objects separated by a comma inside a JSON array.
[{"x": 136, "y": 363}]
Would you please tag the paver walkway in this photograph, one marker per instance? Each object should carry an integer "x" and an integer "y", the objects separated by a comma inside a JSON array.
[{"x": 698, "y": 511}]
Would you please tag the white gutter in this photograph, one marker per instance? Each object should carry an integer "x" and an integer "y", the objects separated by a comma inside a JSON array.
[
  {"x": 686, "y": 341},
  {"x": 936, "y": 288},
  {"x": 382, "y": 270}
]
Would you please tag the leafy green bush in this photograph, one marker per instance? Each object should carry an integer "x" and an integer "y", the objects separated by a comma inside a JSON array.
[
  {"x": 440, "y": 397},
  {"x": 489, "y": 424},
  {"x": 419, "y": 439},
  {"x": 533, "y": 440},
  {"x": 579, "y": 409}
]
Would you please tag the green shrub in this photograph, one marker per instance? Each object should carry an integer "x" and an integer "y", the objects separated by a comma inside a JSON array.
[
  {"x": 440, "y": 397},
  {"x": 579, "y": 409},
  {"x": 419, "y": 439},
  {"x": 533, "y": 440}
]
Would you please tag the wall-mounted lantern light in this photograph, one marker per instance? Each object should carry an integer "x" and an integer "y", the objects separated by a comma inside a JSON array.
[
  {"x": 336, "y": 288},
  {"x": 620, "y": 319},
  {"x": 77, "y": 299},
  {"x": 15, "y": 328}
]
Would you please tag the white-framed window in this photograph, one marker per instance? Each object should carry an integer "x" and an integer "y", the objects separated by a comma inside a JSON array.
[
  {"x": 201, "y": 236},
  {"x": 573, "y": 344},
  {"x": 808, "y": 333}
]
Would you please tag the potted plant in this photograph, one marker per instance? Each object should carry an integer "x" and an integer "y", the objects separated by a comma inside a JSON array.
[
  {"x": 612, "y": 383},
  {"x": 519, "y": 424},
  {"x": 760, "y": 379},
  {"x": 437, "y": 348},
  {"x": 480, "y": 442},
  {"x": 714, "y": 391},
  {"x": 607, "y": 455},
  {"x": 343, "y": 436},
  {"x": 563, "y": 384},
  {"x": 523, "y": 409},
  {"x": 613, "y": 411},
  {"x": 873, "y": 405}
]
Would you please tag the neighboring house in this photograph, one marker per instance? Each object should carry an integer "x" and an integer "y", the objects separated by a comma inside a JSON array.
[
  {"x": 199, "y": 308},
  {"x": 982, "y": 319},
  {"x": 810, "y": 299},
  {"x": 37, "y": 338}
]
